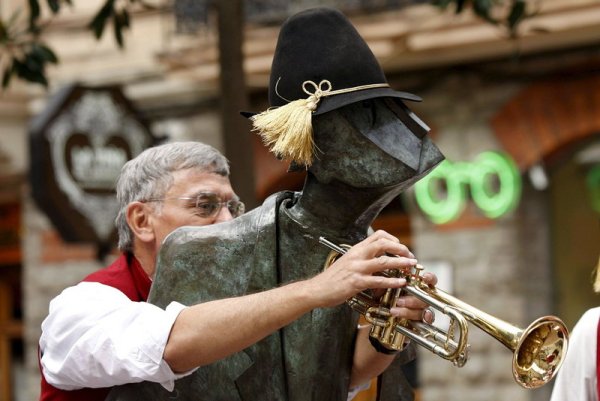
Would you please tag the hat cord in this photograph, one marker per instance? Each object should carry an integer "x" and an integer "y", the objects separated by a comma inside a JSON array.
[
  {"x": 287, "y": 129},
  {"x": 324, "y": 89}
]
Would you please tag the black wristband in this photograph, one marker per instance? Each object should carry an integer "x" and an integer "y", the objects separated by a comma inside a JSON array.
[{"x": 380, "y": 348}]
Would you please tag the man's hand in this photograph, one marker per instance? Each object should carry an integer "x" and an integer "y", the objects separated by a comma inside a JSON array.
[
  {"x": 369, "y": 363},
  {"x": 411, "y": 308},
  {"x": 354, "y": 271}
]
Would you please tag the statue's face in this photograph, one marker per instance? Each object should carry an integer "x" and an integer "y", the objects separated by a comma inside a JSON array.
[{"x": 368, "y": 145}]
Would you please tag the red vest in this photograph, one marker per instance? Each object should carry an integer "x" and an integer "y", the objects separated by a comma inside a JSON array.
[
  {"x": 598, "y": 360},
  {"x": 126, "y": 275}
]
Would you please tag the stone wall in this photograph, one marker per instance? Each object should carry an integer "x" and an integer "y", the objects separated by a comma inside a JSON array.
[
  {"x": 49, "y": 266},
  {"x": 500, "y": 266}
]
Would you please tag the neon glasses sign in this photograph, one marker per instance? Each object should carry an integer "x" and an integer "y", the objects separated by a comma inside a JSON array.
[
  {"x": 493, "y": 179},
  {"x": 593, "y": 184}
]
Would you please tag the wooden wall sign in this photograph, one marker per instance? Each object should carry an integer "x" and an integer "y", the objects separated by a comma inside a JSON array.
[{"x": 78, "y": 145}]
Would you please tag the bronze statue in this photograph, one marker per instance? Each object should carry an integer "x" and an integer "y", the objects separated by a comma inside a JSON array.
[{"x": 364, "y": 147}]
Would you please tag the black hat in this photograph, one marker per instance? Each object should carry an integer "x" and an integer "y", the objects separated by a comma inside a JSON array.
[{"x": 321, "y": 63}]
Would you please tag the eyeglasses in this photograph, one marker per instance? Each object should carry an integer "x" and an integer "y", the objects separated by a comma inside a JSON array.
[{"x": 209, "y": 204}]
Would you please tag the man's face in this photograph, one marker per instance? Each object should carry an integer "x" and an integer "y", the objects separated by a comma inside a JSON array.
[{"x": 175, "y": 212}]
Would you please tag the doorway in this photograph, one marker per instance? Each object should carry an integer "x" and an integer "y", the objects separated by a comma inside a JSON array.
[{"x": 575, "y": 230}]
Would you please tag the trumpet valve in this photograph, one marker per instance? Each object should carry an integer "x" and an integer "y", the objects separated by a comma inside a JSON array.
[
  {"x": 462, "y": 358},
  {"x": 413, "y": 274},
  {"x": 378, "y": 316}
]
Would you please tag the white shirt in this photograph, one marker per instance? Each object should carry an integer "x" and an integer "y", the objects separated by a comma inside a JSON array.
[
  {"x": 576, "y": 380},
  {"x": 94, "y": 336}
]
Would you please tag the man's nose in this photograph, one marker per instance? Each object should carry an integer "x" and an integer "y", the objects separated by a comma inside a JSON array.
[{"x": 223, "y": 215}]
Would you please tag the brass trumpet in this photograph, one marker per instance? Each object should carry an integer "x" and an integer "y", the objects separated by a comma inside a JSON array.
[{"x": 538, "y": 350}]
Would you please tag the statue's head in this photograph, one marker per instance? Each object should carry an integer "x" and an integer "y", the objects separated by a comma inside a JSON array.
[{"x": 333, "y": 111}]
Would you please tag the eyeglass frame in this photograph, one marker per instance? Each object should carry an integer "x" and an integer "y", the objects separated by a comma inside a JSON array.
[{"x": 241, "y": 207}]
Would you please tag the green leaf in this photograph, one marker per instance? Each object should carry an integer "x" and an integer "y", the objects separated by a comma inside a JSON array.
[
  {"x": 118, "y": 28},
  {"x": 33, "y": 62},
  {"x": 37, "y": 77},
  {"x": 32, "y": 67},
  {"x": 443, "y": 4},
  {"x": 44, "y": 53},
  {"x": 19, "y": 68},
  {"x": 3, "y": 32},
  {"x": 483, "y": 8},
  {"x": 24, "y": 71},
  {"x": 517, "y": 13},
  {"x": 50, "y": 55},
  {"x": 6, "y": 75},
  {"x": 125, "y": 17},
  {"x": 34, "y": 13},
  {"x": 120, "y": 23},
  {"x": 54, "y": 5},
  {"x": 100, "y": 20}
]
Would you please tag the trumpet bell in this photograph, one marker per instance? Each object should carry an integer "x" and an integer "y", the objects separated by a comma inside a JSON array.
[{"x": 540, "y": 352}]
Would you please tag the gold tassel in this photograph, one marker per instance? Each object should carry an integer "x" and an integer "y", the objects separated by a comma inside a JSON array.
[{"x": 287, "y": 130}]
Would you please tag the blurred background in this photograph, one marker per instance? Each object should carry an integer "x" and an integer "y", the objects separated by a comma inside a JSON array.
[{"x": 511, "y": 90}]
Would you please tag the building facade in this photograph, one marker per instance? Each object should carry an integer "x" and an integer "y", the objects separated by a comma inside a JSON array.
[{"x": 534, "y": 98}]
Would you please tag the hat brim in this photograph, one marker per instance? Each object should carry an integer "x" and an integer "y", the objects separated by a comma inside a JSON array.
[
  {"x": 335, "y": 102},
  {"x": 344, "y": 99}
]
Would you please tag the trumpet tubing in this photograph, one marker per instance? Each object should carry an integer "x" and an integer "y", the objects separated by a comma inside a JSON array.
[{"x": 538, "y": 350}]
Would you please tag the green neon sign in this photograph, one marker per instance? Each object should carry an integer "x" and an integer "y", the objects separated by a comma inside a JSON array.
[
  {"x": 593, "y": 184},
  {"x": 492, "y": 178}
]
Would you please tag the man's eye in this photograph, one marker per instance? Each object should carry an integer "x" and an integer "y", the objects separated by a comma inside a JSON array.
[{"x": 206, "y": 207}]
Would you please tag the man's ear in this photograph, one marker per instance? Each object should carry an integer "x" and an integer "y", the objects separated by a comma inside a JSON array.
[{"x": 139, "y": 219}]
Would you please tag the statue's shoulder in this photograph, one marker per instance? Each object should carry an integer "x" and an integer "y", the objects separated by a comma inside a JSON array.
[{"x": 211, "y": 262}]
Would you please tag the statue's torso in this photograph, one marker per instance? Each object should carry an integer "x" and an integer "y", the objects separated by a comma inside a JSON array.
[{"x": 308, "y": 360}]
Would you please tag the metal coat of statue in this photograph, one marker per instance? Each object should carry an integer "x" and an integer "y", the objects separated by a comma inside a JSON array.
[{"x": 368, "y": 148}]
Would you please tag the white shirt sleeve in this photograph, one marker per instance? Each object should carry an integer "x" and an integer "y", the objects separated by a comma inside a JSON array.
[
  {"x": 94, "y": 336},
  {"x": 353, "y": 392},
  {"x": 576, "y": 379}
]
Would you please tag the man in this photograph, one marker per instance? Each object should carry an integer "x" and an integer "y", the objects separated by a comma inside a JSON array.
[
  {"x": 100, "y": 333},
  {"x": 333, "y": 114}
]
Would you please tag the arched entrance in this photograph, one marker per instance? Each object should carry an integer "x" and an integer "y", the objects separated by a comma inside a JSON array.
[{"x": 552, "y": 127}]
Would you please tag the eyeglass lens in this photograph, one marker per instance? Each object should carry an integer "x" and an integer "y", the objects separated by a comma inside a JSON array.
[{"x": 209, "y": 204}]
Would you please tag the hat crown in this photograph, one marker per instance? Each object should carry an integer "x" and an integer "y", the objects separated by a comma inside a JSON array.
[
  {"x": 320, "y": 44},
  {"x": 320, "y": 64}
]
